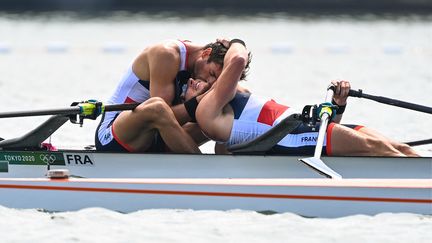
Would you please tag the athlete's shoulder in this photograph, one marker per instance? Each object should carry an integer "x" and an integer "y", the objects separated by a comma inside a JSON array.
[{"x": 164, "y": 47}]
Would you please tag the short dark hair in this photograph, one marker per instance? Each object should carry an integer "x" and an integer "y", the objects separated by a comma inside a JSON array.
[{"x": 218, "y": 53}]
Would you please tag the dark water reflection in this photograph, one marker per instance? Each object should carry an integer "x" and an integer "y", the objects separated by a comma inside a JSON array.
[{"x": 215, "y": 16}]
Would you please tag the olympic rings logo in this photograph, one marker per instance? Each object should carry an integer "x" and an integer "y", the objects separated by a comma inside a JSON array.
[{"x": 48, "y": 158}]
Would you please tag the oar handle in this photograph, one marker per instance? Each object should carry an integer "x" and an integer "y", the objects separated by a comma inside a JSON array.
[
  {"x": 121, "y": 107},
  {"x": 355, "y": 93},
  {"x": 389, "y": 101}
]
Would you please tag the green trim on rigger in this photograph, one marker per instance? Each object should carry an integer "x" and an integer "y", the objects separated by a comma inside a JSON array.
[
  {"x": 4, "y": 166},
  {"x": 32, "y": 158}
]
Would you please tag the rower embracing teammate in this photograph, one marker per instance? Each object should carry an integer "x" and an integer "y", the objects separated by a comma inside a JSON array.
[
  {"x": 232, "y": 118},
  {"x": 155, "y": 80}
]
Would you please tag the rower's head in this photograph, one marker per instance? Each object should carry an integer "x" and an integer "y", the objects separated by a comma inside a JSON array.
[
  {"x": 194, "y": 87},
  {"x": 209, "y": 64}
]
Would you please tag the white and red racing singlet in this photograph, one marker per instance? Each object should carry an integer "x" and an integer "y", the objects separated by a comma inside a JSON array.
[
  {"x": 130, "y": 90},
  {"x": 254, "y": 116}
]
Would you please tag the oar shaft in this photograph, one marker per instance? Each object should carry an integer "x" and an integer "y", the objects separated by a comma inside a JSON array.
[
  {"x": 323, "y": 126},
  {"x": 389, "y": 101},
  {"x": 73, "y": 110},
  {"x": 121, "y": 107},
  {"x": 62, "y": 111},
  {"x": 420, "y": 142},
  {"x": 315, "y": 162},
  {"x": 321, "y": 135}
]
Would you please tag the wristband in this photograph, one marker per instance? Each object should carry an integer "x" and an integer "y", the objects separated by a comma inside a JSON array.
[
  {"x": 191, "y": 106},
  {"x": 341, "y": 108},
  {"x": 237, "y": 41}
]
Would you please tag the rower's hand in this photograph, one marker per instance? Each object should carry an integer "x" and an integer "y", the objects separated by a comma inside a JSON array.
[
  {"x": 224, "y": 41},
  {"x": 342, "y": 88}
]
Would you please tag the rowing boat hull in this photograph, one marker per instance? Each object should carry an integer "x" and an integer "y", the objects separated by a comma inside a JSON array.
[
  {"x": 307, "y": 197},
  {"x": 216, "y": 182},
  {"x": 91, "y": 164}
]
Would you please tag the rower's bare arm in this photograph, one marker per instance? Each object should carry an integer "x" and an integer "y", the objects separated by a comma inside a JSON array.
[
  {"x": 163, "y": 65},
  {"x": 342, "y": 88},
  {"x": 226, "y": 86},
  {"x": 195, "y": 132},
  {"x": 211, "y": 110},
  {"x": 164, "y": 61}
]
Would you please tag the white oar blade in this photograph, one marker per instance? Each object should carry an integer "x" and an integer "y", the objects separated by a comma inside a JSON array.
[{"x": 318, "y": 165}]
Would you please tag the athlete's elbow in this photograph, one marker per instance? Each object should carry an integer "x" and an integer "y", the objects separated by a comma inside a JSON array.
[{"x": 239, "y": 60}]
